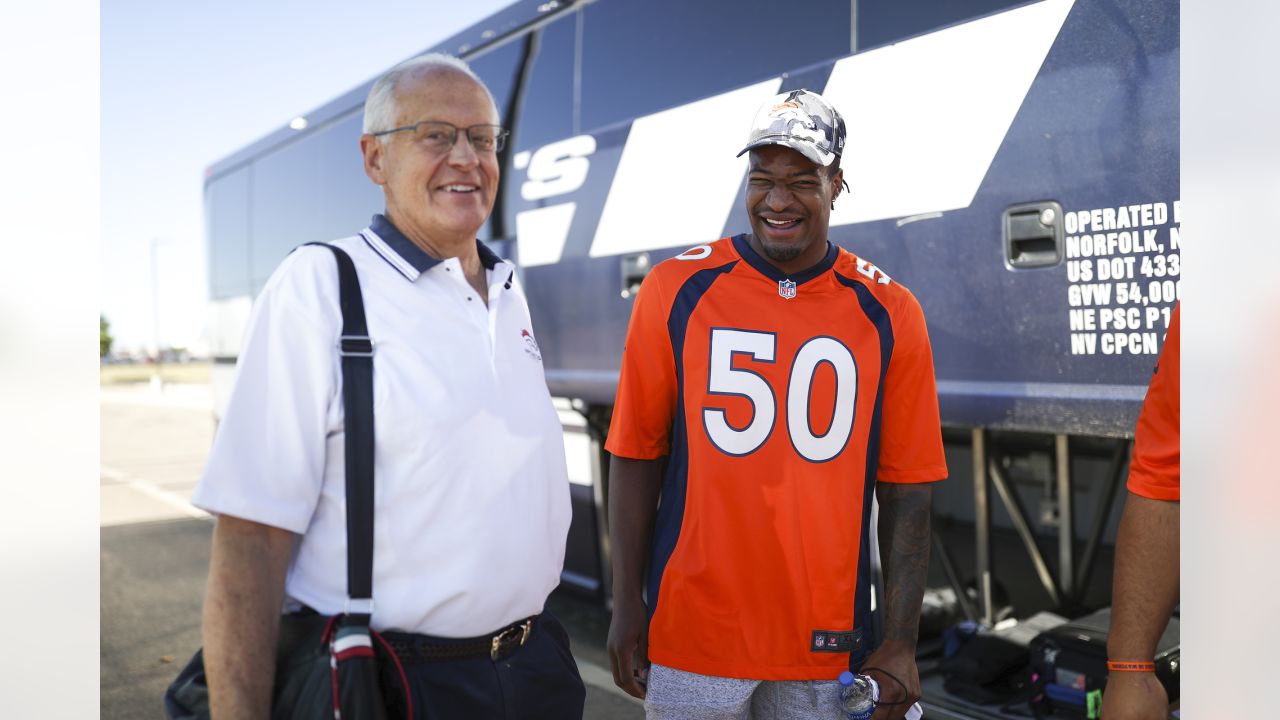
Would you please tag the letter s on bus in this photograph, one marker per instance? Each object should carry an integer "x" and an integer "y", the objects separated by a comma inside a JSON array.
[{"x": 556, "y": 169}]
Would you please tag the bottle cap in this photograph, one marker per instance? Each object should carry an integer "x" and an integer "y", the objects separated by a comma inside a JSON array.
[{"x": 846, "y": 678}]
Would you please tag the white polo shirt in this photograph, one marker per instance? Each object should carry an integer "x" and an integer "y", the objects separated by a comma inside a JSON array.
[{"x": 471, "y": 491}]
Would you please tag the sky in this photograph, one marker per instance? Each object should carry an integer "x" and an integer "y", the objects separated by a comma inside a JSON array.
[{"x": 183, "y": 85}]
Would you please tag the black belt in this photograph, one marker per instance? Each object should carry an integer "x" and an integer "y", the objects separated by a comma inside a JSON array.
[{"x": 411, "y": 647}]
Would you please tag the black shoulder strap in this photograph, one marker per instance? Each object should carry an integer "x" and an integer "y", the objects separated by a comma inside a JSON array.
[{"x": 356, "y": 350}]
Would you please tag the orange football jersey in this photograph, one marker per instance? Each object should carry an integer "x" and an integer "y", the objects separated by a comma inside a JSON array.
[
  {"x": 1156, "y": 469},
  {"x": 778, "y": 402}
]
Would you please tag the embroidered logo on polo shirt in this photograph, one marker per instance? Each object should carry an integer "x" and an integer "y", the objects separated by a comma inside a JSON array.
[{"x": 531, "y": 345}]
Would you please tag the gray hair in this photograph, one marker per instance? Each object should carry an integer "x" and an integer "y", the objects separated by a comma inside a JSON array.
[{"x": 380, "y": 106}]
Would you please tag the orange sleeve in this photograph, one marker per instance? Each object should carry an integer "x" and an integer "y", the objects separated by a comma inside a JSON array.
[
  {"x": 646, "y": 403},
  {"x": 911, "y": 431},
  {"x": 1156, "y": 469}
]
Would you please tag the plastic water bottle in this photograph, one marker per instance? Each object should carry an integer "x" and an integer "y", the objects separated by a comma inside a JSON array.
[{"x": 858, "y": 696}]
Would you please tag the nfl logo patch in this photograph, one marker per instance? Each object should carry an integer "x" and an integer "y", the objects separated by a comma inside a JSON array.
[
  {"x": 787, "y": 288},
  {"x": 817, "y": 640}
]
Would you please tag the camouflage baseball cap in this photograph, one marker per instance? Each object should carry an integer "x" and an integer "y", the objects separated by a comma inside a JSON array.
[{"x": 802, "y": 121}]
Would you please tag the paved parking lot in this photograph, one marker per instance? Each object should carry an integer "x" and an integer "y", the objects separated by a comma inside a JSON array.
[{"x": 155, "y": 552}]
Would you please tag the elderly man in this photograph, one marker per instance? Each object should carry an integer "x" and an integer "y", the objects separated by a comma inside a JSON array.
[
  {"x": 472, "y": 504},
  {"x": 770, "y": 383}
]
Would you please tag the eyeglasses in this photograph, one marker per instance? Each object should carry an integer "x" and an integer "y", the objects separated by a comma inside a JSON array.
[{"x": 439, "y": 137}]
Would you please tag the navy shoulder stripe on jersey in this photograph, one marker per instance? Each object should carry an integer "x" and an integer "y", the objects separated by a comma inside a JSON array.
[
  {"x": 879, "y": 317},
  {"x": 666, "y": 526}
]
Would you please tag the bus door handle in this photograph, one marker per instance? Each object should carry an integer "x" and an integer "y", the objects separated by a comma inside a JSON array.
[{"x": 1032, "y": 235}]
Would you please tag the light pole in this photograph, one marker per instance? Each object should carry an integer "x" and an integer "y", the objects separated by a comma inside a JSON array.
[{"x": 157, "y": 382}]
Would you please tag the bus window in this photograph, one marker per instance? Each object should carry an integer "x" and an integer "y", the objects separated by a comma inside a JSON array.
[
  {"x": 547, "y": 113},
  {"x": 227, "y": 213},
  {"x": 498, "y": 69},
  {"x": 323, "y": 176},
  {"x": 881, "y": 22},
  {"x": 641, "y": 56}
]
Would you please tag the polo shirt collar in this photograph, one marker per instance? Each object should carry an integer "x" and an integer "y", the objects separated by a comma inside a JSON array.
[{"x": 407, "y": 258}]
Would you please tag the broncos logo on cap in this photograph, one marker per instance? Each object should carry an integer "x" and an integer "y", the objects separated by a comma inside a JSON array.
[{"x": 802, "y": 120}]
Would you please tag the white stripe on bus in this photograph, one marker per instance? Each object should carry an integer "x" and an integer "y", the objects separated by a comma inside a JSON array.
[
  {"x": 925, "y": 117},
  {"x": 649, "y": 205},
  {"x": 543, "y": 232}
]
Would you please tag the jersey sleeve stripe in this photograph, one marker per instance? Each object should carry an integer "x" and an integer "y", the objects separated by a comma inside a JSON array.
[
  {"x": 666, "y": 526},
  {"x": 682, "y": 307},
  {"x": 879, "y": 317}
]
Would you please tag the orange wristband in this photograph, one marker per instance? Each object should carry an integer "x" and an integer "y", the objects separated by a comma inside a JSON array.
[{"x": 1131, "y": 666}]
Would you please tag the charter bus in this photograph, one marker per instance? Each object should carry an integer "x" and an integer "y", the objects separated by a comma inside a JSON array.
[{"x": 1015, "y": 164}]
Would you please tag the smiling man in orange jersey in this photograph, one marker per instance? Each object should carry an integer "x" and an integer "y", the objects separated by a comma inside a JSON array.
[{"x": 771, "y": 383}]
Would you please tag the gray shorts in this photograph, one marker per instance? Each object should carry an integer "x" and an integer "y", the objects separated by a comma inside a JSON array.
[{"x": 679, "y": 695}]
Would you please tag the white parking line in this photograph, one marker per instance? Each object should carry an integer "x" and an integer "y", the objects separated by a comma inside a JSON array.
[
  {"x": 191, "y": 397},
  {"x": 153, "y": 491}
]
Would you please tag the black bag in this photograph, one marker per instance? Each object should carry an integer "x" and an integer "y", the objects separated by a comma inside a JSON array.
[
  {"x": 307, "y": 671},
  {"x": 990, "y": 667},
  {"x": 1071, "y": 662},
  {"x": 329, "y": 664}
]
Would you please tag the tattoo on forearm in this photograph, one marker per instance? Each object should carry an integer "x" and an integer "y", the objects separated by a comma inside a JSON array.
[{"x": 904, "y": 550}]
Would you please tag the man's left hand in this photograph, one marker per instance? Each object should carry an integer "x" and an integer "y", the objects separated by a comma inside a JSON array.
[
  {"x": 1134, "y": 696},
  {"x": 898, "y": 660}
]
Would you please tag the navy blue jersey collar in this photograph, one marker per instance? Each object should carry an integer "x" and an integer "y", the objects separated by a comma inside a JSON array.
[
  {"x": 418, "y": 258},
  {"x": 766, "y": 268}
]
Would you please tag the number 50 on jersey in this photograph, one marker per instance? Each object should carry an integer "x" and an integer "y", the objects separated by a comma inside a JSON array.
[{"x": 724, "y": 379}]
